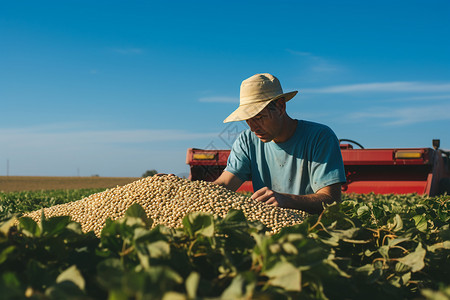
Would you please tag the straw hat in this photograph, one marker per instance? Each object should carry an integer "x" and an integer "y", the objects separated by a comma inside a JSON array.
[{"x": 256, "y": 92}]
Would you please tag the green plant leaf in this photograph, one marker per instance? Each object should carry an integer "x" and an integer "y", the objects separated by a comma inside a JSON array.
[
  {"x": 10, "y": 286},
  {"x": 384, "y": 251},
  {"x": 29, "y": 226},
  {"x": 191, "y": 284},
  {"x": 366, "y": 269},
  {"x": 54, "y": 225},
  {"x": 235, "y": 290},
  {"x": 65, "y": 290},
  {"x": 443, "y": 245},
  {"x": 5, "y": 252},
  {"x": 75, "y": 227},
  {"x": 396, "y": 224},
  {"x": 199, "y": 223},
  {"x": 74, "y": 275},
  {"x": 406, "y": 278},
  {"x": 117, "y": 294},
  {"x": 415, "y": 260},
  {"x": 241, "y": 287},
  {"x": 6, "y": 225},
  {"x": 173, "y": 296},
  {"x": 420, "y": 222},
  {"x": 136, "y": 211},
  {"x": 164, "y": 276},
  {"x": 159, "y": 249},
  {"x": 442, "y": 294},
  {"x": 285, "y": 275},
  {"x": 235, "y": 216},
  {"x": 110, "y": 273},
  {"x": 362, "y": 210}
]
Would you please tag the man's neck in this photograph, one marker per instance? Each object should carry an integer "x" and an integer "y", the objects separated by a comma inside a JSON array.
[{"x": 288, "y": 129}]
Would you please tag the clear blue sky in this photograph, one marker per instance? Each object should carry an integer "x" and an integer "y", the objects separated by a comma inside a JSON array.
[{"x": 116, "y": 88}]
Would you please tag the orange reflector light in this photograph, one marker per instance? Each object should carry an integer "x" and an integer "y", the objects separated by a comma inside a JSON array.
[
  {"x": 204, "y": 156},
  {"x": 408, "y": 154}
]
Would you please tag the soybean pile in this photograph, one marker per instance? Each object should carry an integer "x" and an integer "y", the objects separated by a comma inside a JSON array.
[{"x": 167, "y": 199}]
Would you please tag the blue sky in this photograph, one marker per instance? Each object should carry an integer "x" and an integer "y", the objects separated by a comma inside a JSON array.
[{"x": 116, "y": 88}]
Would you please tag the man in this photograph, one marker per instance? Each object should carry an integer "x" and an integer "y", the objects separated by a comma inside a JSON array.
[{"x": 292, "y": 163}]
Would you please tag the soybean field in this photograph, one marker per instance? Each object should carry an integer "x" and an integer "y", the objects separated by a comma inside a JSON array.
[
  {"x": 369, "y": 246},
  {"x": 39, "y": 183}
]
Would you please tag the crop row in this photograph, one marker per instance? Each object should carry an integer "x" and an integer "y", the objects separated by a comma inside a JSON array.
[{"x": 368, "y": 246}]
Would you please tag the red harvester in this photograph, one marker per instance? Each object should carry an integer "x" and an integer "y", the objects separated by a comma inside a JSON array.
[{"x": 381, "y": 171}]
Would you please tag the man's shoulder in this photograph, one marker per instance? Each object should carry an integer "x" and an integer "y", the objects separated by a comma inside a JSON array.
[
  {"x": 314, "y": 127},
  {"x": 311, "y": 124}
]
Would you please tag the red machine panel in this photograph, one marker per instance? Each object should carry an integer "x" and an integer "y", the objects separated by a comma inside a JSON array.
[{"x": 381, "y": 171}]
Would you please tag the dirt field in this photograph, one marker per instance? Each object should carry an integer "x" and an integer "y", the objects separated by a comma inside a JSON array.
[{"x": 36, "y": 183}]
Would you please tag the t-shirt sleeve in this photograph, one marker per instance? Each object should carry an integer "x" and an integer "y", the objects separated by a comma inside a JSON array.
[
  {"x": 327, "y": 167},
  {"x": 239, "y": 160}
]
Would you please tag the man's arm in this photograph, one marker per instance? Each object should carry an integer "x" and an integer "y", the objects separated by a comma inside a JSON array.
[
  {"x": 312, "y": 203},
  {"x": 229, "y": 181}
]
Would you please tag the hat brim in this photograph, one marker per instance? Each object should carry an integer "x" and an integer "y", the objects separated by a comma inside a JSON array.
[{"x": 248, "y": 111}]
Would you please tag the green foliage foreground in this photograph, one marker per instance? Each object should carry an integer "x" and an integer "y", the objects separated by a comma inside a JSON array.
[
  {"x": 367, "y": 247},
  {"x": 19, "y": 202}
]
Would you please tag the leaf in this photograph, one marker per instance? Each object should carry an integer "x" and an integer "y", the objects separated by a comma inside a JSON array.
[
  {"x": 75, "y": 227},
  {"x": 164, "y": 275},
  {"x": 235, "y": 216},
  {"x": 402, "y": 268},
  {"x": 236, "y": 288},
  {"x": 136, "y": 211},
  {"x": 37, "y": 273},
  {"x": 336, "y": 235},
  {"x": 241, "y": 287},
  {"x": 199, "y": 223},
  {"x": 237, "y": 228},
  {"x": 5, "y": 226},
  {"x": 369, "y": 253},
  {"x": 415, "y": 260},
  {"x": 5, "y": 252},
  {"x": 144, "y": 260},
  {"x": 395, "y": 281},
  {"x": 10, "y": 280},
  {"x": 285, "y": 275},
  {"x": 29, "y": 226},
  {"x": 442, "y": 294},
  {"x": 191, "y": 284},
  {"x": 64, "y": 290},
  {"x": 421, "y": 222},
  {"x": 289, "y": 248},
  {"x": 110, "y": 273},
  {"x": 173, "y": 296},
  {"x": 396, "y": 224},
  {"x": 54, "y": 225},
  {"x": 117, "y": 294},
  {"x": 362, "y": 210},
  {"x": 159, "y": 249},
  {"x": 406, "y": 278},
  {"x": 384, "y": 251},
  {"x": 443, "y": 245},
  {"x": 330, "y": 261},
  {"x": 366, "y": 269},
  {"x": 74, "y": 275}
]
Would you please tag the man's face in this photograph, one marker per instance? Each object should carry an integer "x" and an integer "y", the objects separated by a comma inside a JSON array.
[{"x": 267, "y": 124}]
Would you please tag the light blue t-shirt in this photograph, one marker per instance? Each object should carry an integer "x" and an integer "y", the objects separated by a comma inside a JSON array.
[{"x": 310, "y": 160}]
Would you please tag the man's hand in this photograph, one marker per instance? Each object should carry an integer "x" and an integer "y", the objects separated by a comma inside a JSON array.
[
  {"x": 312, "y": 203},
  {"x": 270, "y": 197}
]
